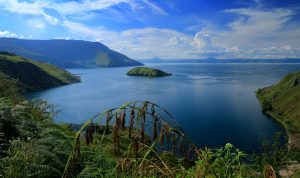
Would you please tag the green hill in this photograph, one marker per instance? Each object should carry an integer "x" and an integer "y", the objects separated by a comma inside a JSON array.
[
  {"x": 32, "y": 75},
  {"x": 146, "y": 71},
  {"x": 67, "y": 53},
  {"x": 282, "y": 101}
]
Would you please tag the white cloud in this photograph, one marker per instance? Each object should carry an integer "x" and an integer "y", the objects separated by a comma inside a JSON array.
[
  {"x": 147, "y": 42},
  {"x": 73, "y": 8},
  {"x": 155, "y": 8},
  {"x": 36, "y": 23},
  {"x": 255, "y": 33},
  {"x": 259, "y": 33},
  {"x": 166, "y": 43},
  {"x": 62, "y": 38},
  {"x": 31, "y": 8},
  {"x": 8, "y": 34},
  {"x": 258, "y": 28}
]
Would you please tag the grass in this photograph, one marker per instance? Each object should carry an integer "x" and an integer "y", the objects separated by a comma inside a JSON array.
[
  {"x": 146, "y": 71},
  {"x": 32, "y": 75},
  {"x": 282, "y": 102},
  {"x": 103, "y": 59},
  {"x": 56, "y": 72},
  {"x": 296, "y": 175},
  {"x": 12, "y": 58}
]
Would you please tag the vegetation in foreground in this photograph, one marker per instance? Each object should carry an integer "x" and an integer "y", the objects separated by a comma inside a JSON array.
[
  {"x": 147, "y": 72},
  {"x": 282, "y": 102},
  {"x": 151, "y": 144},
  {"x": 32, "y": 75}
]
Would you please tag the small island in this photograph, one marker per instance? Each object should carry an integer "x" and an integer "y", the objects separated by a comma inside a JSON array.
[{"x": 147, "y": 72}]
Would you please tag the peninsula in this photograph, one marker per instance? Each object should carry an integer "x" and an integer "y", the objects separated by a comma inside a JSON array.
[
  {"x": 32, "y": 75},
  {"x": 282, "y": 102}
]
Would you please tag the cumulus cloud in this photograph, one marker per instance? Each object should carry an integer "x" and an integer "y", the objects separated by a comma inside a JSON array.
[
  {"x": 148, "y": 42},
  {"x": 8, "y": 34}
]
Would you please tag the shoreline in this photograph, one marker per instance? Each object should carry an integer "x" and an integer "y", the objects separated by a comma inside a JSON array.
[
  {"x": 273, "y": 116},
  {"x": 293, "y": 139}
]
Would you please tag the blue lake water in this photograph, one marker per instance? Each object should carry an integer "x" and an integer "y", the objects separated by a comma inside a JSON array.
[{"x": 214, "y": 103}]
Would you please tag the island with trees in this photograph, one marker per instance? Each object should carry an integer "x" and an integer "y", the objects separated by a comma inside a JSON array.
[{"x": 147, "y": 72}]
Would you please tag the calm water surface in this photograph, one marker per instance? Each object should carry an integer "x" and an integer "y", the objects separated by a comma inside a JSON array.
[{"x": 214, "y": 103}]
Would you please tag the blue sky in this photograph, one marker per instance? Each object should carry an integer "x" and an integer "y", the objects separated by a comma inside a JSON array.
[{"x": 169, "y": 29}]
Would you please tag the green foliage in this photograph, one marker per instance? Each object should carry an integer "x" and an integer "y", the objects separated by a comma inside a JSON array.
[
  {"x": 10, "y": 91},
  {"x": 31, "y": 145},
  {"x": 297, "y": 174},
  {"x": 95, "y": 163},
  {"x": 223, "y": 162},
  {"x": 271, "y": 152},
  {"x": 38, "y": 148},
  {"x": 3, "y": 146},
  {"x": 266, "y": 106},
  {"x": 146, "y": 71}
]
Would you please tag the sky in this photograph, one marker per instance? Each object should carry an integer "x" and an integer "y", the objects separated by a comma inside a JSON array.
[{"x": 168, "y": 29}]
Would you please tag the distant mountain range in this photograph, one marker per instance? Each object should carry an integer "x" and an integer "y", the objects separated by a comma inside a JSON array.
[
  {"x": 67, "y": 53},
  {"x": 213, "y": 60}
]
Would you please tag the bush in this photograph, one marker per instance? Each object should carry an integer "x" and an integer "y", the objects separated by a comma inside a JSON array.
[
  {"x": 223, "y": 162},
  {"x": 271, "y": 152},
  {"x": 266, "y": 105}
]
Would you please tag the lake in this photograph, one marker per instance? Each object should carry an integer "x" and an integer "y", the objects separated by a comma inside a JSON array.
[{"x": 214, "y": 103}]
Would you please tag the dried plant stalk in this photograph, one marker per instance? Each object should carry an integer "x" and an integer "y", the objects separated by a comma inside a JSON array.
[
  {"x": 155, "y": 120},
  {"x": 161, "y": 136},
  {"x": 136, "y": 145},
  {"x": 167, "y": 132},
  {"x": 174, "y": 143},
  {"x": 181, "y": 146},
  {"x": 89, "y": 134},
  {"x": 269, "y": 172},
  {"x": 116, "y": 134},
  {"x": 143, "y": 117},
  {"x": 142, "y": 131},
  {"x": 108, "y": 115},
  {"x": 131, "y": 121},
  {"x": 123, "y": 119}
]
